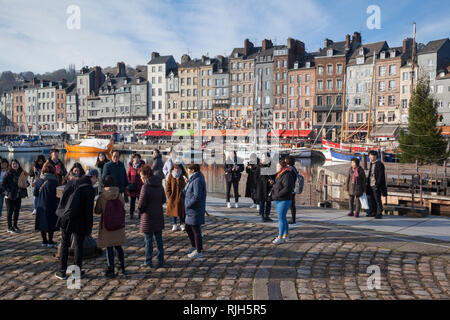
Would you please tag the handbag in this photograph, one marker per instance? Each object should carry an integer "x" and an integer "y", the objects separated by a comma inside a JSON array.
[
  {"x": 23, "y": 180},
  {"x": 364, "y": 202}
]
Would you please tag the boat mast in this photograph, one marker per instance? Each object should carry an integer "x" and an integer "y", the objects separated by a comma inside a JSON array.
[
  {"x": 370, "y": 102},
  {"x": 343, "y": 112},
  {"x": 413, "y": 58}
]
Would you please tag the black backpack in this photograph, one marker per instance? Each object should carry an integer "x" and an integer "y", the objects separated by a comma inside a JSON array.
[{"x": 70, "y": 203}]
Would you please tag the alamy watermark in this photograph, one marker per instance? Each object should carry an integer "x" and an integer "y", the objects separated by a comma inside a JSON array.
[
  {"x": 73, "y": 22},
  {"x": 374, "y": 280},
  {"x": 74, "y": 279},
  {"x": 374, "y": 20}
]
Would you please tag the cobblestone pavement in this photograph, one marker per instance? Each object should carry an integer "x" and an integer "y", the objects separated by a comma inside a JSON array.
[{"x": 239, "y": 263}]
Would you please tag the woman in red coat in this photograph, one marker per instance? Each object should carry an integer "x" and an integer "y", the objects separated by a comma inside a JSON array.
[{"x": 134, "y": 181}]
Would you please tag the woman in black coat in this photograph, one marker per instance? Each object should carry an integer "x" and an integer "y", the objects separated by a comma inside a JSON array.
[
  {"x": 263, "y": 187},
  {"x": 13, "y": 194},
  {"x": 253, "y": 172},
  {"x": 45, "y": 192}
]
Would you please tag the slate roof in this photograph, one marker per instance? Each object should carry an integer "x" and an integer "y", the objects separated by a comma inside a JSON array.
[
  {"x": 160, "y": 60},
  {"x": 338, "y": 49},
  {"x": 433, "y": 46},
  {"x": 369, "y": 50}
]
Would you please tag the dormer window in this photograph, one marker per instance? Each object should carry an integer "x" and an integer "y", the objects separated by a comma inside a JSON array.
[
  {"x": 393, "y": 54},
  {"x": 308, "y": 64},
  {"x": 383, "y": 55},
  {"x": 236, "y": 55},
  {"x": 360, "y": 60},
  {"x": 329, "y": 52},
  {"x": 208, "y": 62},
  {"x": 361, "y": 51}
]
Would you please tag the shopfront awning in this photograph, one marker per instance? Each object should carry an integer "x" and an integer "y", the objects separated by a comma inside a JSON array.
[
  {"x": 387, "y": 131},
  {"x": 157, "y": 133},
  {"x": 106, "y": 133},
  {"x": 290, "y": 133},
  {"x": 237, "y": 133}
]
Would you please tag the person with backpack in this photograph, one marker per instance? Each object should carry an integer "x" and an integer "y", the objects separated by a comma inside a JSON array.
[
  {"x": 282, "y": 196},
  {"x": 61, "y": 171},
  {"x": 195, "y": 206},
  {"x": 75, "y": 218},
  {"x": 134, "y": 181},
  {"x": 45, "y": 193},
  {"x": 15, "y": 185},
  {"x": 150, "y": 208},
  {"x": 175, "y": 198},
  {"x": 233, "y": 169},
  {"x": 35, "y": 174},
  {"x": 116, "y": 169},
  {"x": 4, "y": 164},
  {"x": 253, "y": 171},
  {"x": 296, "y": 175},
  {"x": 111, "y": 231},
  {"x": 264, "y": 188}
]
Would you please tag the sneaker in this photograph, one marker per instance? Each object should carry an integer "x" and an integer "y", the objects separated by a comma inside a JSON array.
[
  {"x": 34, "y": 212},
  {"x": 10, "y": 230},
  {"x": 257, "y": 207},
  {"x": 109, "y": 273},
  {"x": 174, "y": 227},
  {"x": 52, "y": 244},
  {"x": 44, "y": 244},
  {"x": 285, "y": 238},
  {"x": 194, "y": 254},
  {"x": 61, "y": 275},
  {"x": 292, "y": 221},
  {"x": 278, "y": 240},
  {"x": 190, "y": 250},
  {"x": 183, "y": 227},
  {"x": 236, "y": 205},
  {"x": 146, "y": 265},
  {"x": 228, "y": 205},
  {"x": 17, "y": 230},
  {"x": 267, "y": 219},
  {"x": 253, "y": 206}
]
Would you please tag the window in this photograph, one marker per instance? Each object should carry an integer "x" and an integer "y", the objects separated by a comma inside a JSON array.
[
  {"x": 357, "y": 101},
  {"x": 329, "y": 100},
  {"x": 320, "y": 85},
  {"x": 307, "y": 90},
  {"x": 329, "y": 84},
  {"x": 319, "y": 100},
  {"x": 404, "y": 89},
  {"x": 285, "y": 63},
  {"x": 382, "y": 86},
  {"x": 360, "y": 60},
  {"x": 308, "y": 77},
  {"x": 291, "y": 79},
  {"x": 405, "y": 75},
  {"x": 329, "y": 69},
  {"x": 320, "y": 70},
  {"x": 319, "y": 117},
  {"x": 329, "y": 52},
  {"x": 339, "y": 84},
  {"x": 440, "y": 89},
  {"x": 359, "y": 87},
  {"x": 299, "y": 78},
  {"x": 392, "y": 85},
  {"x": 392, "y": 70},
  {"x": 291, "y": 91},
  {"x": 391, "y": 100},
  {"x": 339, "y": 69},
  {"x": 381, "y": 100},
  {"x": 382, "y": 71}
]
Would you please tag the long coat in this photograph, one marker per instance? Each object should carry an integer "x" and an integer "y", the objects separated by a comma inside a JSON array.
[
  {"x": 108, "y": 238},
  {"x": 157, "y": 167},
  {"x": 175, "y": 197},
  {"x": 380, "y": 178},
  {"x": 195, "y": 200},
  {"x": 134, "y": 177},
  {"x": 45, "y": 191},
  {"x": 150, "y": 206},
  {"x": 252, "y": 180},
  {"x": 11, "y": 186},
  {"x": 263, "y": 187},
  {"x": 358, "y": 188}
]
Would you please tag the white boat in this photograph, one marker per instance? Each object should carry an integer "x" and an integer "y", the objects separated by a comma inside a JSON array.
[
  {"x": 29, "y": 147},
  {"x": 302, "y": 152}
]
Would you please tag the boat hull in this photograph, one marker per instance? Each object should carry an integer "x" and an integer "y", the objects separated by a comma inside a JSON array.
[
  {"x": 84, "y": 149},
  {"x": 17, "y": 149},
  {"x": 301, "y": 153}
]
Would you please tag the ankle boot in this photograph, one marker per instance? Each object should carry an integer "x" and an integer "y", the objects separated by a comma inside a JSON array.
[
  {"x": 267, "y": 218},
  {"x": 109, "y": 272}
]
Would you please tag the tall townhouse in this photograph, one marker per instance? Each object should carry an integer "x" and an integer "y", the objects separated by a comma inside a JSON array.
[
  {"x": 330, "y": 65},
  {"x": 157, "y": 69},
  {"x": 31, "y": 105},
  {"x": 205, "y": 90},
  {"x": 263, "y": 115},
  {"x": 47, "y": 107},
  {"x": 95, "y": 118},
  {"x": 432, "y": 60},
  {"x": 61, "y": 89},
  {"x": 140, "y": 104},
  {"x": 189, "y": 99},
  {"x": 172, "y": 98},
  {"x": 443, "y": 95},
  {"x": 3, "y": 115},
  {"x": 221, "y": 94},
  {"x": 359, "y": 86},
  {"x": 301, "y": 93},
  {"x": 20, "y": 125},
  {"x": 72, "y": 111},
  {"x": 242, "y": 67},
  {"x": 88, "y": 82},
  {"x": 406, "y": 75},
  {"x": 8, "y": 103},
  {"x": 283, "y": 60},
  {"x": 107, "y": 104}
]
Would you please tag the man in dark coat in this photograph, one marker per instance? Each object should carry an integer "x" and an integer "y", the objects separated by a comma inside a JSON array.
[
  {"x": 116, "y": 169},
  {"x": 253, "y": 171},
  {"x": 233, "y": 173},
  {"x": 263, "y": 188},
  {"x": 376, "y": 185},
  {"x": 158, "y": 165},
  {"x": 61, "y": 171},
  {"x": 80, "y": 225}
]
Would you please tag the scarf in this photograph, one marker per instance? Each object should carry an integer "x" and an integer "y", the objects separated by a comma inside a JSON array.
[
  {"x": 283, "y": 171},
  {"x": 136, "y": 166},
  {"x": 355, "y": 174}
]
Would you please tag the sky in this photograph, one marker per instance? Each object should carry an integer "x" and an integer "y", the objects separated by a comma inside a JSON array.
[{"x": 35, "y": 36}]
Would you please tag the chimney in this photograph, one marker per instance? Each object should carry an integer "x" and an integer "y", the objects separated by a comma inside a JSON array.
[
  {"x": 300, "y": 48},
  {"x": 327, "y": 42},
  {"x": 347, "y": 41},
  {"x": 356, "y": 39},
  {"x": 248, "y": 46},
  {"x": 290, "y": 43},
  {"x": 266, "y": 44},
  {"x": 203, "y": 59},
  {"x": 34, "y": 81},
  {"x": 120, "y": 70},
  {"x": 407, "y": 45},
  {"x": 155, "y": 55}
]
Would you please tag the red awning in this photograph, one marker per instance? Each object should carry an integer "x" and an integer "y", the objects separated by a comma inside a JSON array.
[
  {"x": 153, "y": 133},
  {"x": 108, "y": 133},
  {"x": 167, "y": 133},
  {"x": 296, "y": 133},
  {"x": 276, "y": 133}
]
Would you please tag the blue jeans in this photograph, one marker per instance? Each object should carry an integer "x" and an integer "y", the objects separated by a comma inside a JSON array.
[
  {"x": 2, "y": 197},
  {"x": 35, "y": 202},
  {"x": 149, "y": 247},
  {"x": 264, "y": 208},
  {"x": 282, "y": 209}
]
